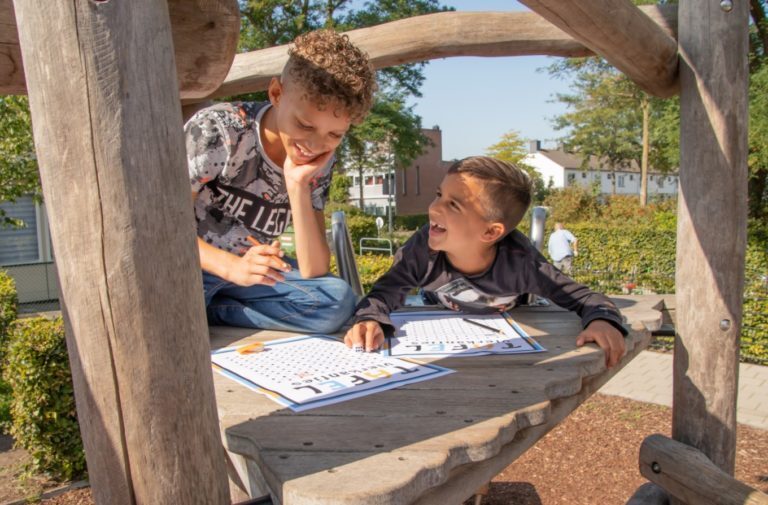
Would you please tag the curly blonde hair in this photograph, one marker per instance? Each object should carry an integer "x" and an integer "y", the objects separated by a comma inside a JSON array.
[{"x": 330, "y": 68}]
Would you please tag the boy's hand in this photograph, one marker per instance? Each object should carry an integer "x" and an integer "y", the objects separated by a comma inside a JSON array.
[
  {"x": 365, "y": 334},
  {"x": 302, "y": 174},
  {"x": 607, "y": 337},
  {"x": 261, "y": 264}
]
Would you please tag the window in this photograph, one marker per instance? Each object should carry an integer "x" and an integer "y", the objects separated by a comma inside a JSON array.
[
  {"x": 660, "y": 182},
  {"x": 369, "y": 180},
  {"x": 583, "y": 175},
  {"x": 571, "y": 178},
  {"x": 620, "y": 181},
  {"x": 28, "y": 244},
  {"x": 418, "y": 180},
  {"x": 379, "y": 179},
  {"x": 405, "y": 183}
]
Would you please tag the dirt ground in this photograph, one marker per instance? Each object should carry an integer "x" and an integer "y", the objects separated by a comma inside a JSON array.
[{"x": 590, "y": 458}]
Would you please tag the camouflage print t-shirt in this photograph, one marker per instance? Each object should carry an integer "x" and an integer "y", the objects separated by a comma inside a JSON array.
[{"x": 241, "y": 192}]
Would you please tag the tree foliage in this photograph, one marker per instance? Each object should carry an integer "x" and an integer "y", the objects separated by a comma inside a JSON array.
[
  {"x": 512, "y": 149},
  {"x": 18, "y": 162}
]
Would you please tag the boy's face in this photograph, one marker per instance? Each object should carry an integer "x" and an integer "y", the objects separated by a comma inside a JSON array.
[
  {"x": 457, "y": 222},
  {"x": 306, "y": 132}
]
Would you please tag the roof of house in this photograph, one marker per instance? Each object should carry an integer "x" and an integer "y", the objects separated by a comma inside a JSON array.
[{"x": 573, "y": 161}]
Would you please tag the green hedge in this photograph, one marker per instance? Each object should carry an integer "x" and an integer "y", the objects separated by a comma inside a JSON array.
[
  {"x": 8, "y": 307},
  {"x": 43, "y": 403}
]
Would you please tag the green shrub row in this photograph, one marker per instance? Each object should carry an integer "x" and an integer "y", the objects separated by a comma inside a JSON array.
[
  {"x": 44, "y": 419},
  {"x": 8, "y": 308}
]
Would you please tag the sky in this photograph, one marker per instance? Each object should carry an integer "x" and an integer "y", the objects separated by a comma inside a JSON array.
[{"x": 476, "y": 100}]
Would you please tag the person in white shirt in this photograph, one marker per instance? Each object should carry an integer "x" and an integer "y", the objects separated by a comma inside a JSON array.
[{"x": 562, "y": 247}]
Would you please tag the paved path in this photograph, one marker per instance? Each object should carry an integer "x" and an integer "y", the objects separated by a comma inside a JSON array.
[{"x": 648, "y": 378}]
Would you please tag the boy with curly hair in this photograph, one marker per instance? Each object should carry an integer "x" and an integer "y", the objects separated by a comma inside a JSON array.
[
  {"x": 255, "y": 168},
  {"x": 470, "y": 257}
]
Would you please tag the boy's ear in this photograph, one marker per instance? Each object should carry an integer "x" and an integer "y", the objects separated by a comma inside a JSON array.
[
  {"x": 493, "y": 232},
  {"x": 275, "y": 91}
]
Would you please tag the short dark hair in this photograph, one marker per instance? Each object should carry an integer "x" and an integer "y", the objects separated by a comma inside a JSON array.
[
  {"x": 507, "y": 188},
  {"x": 329, "y": 67}
]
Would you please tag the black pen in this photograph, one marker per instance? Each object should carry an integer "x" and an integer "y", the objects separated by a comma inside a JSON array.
[{"x": 495, "y": 330}]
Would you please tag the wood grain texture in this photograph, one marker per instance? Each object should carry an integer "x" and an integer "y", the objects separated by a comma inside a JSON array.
[
  {"x": 434, "y": 36},
  {"x": 618, "y": 31},
  {"x": 688, "y": 475},
  {"x": 205, "y": 35},
  {"x": 432, "y": 442},
  {"x": 711, "y": 226},
  {"x": 112, "y": 164}
]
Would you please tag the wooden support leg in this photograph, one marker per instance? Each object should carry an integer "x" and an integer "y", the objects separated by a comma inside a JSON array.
[{"x": 482, "y": 493}]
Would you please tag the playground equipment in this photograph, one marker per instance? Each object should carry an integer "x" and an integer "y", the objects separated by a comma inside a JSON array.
[{"x": 106, "y": 79}]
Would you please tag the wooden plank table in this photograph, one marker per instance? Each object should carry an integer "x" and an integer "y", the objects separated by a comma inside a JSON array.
[{"x": 432, "y": 442}]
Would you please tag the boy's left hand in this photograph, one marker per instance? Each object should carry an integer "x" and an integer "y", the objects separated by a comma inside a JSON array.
[{"x": 607, "y": 337}]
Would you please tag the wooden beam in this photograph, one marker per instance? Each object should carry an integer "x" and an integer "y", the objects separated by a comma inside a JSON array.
[
  {"x": 439, "y": 35},
  {"x": 618, "y": 31},
  {"x": 108, "y": 131},
  {"x": 205, "y": 35},
  {"x": 691, "y": 477},
  {"x": 711, "y": 225}
]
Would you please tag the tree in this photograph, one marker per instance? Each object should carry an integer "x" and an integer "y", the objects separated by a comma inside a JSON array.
[
  {"x": 512, "y": 149},
  {"x": 610, "y": 117},
  {"x": 606, "y": 115},
  {"x": 18, "y": 162}
]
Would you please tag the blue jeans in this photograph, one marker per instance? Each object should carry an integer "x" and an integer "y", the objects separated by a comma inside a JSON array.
[{"x": 318, "y": 305}]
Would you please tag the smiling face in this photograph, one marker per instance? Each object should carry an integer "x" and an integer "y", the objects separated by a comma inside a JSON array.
[
  {"x": 297, "y": 128},
  {"x": 458, "y": 226}
]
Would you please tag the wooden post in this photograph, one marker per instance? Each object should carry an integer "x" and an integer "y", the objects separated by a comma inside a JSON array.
[
  {"x": 711, "y": 230},
  {"x": 108, "y": 130}
]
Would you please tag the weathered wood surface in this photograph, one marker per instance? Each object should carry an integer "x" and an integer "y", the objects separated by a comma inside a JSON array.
[
  {"x": 433, "y": 442},
  {"x": 688, "y": 475},
  {"x": 205, "y": 35},
  {"x": 711, "y": 226},
  {"x": 113, "y": 169},
  {"x": 434, "y": 36},
  {"x": 618, "y": 31}
]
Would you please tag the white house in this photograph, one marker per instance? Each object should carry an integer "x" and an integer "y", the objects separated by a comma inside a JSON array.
[{"x": 560, "y": 169}]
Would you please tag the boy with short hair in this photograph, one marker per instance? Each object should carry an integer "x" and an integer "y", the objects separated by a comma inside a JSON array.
[
  {"x": 255, "y": 168},
  {"x": 470, "y": 257}
]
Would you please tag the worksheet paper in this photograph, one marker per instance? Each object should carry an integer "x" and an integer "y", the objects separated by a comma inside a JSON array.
[
  {"x": 306, "y": 372},
  {"x": 444, "y": 333}
]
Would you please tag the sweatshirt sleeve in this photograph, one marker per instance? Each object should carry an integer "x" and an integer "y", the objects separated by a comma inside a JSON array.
[
  {"x": 389, "y": 292},
  {"x": 549, "y": 282}
]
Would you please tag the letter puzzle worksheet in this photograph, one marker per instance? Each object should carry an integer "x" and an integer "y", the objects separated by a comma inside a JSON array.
[
  {"x": 311, "y": 371},
  {"x": 445, "y": 333}
]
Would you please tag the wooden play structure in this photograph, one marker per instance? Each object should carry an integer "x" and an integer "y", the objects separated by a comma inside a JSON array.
[{"x": 106, "y": 80}]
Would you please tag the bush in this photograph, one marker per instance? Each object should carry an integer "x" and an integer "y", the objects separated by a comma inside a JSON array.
[
  {"x": 43, "y": 403},
  {"x": 8, "y": 306},
  {"x": 411, "y": 222}
]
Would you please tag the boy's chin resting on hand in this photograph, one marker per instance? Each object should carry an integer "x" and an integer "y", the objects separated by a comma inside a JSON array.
[{"x": 607, "y": 336}]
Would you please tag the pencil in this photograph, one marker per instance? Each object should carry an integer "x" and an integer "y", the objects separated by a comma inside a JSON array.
[{"x": 491, "y": 328}]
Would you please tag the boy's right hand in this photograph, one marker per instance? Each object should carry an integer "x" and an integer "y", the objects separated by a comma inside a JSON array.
[
  {"x": 261, "y": 264},
  {"x": 365, "y": 334}
]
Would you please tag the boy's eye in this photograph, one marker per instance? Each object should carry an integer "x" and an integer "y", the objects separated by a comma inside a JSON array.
[
  {"x": 335, "y": 135},
  {"x": 454, "y": 205},
  {"x": 304, "y": 126}
]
